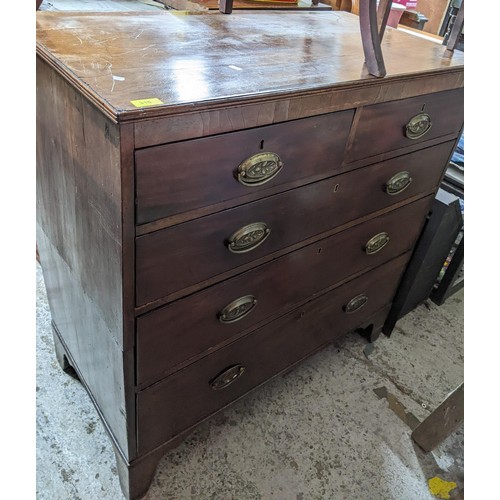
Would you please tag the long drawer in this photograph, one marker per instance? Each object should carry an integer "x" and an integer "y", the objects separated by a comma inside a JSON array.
[
  {"x": 398, "y": 124},
  {"x": 186, "y": 397},
  {"x": 179, "y": 331},
  {"x": 175, "y": 258},
  {"x": 183, "y": 176}
]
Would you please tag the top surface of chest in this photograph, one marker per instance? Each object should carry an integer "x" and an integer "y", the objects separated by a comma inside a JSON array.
[{"x": 187, "y": 62}]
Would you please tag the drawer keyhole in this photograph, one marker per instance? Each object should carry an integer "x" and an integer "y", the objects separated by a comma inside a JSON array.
[{"x": 262, "y": 144}]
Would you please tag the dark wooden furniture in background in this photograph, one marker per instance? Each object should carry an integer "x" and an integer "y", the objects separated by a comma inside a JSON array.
[
  {"x": 434, "y": 11},
  {"x": 220, "y": 209},
  {"x": 345, "y": 5},
  {"x": 414, "y": 19},
  {"x": 206, "y": 5}
]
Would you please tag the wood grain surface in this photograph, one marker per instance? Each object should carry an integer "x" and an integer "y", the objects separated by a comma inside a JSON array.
[
  {"x": 308, "y": 147},
  {"x": 445, "y": 109},
  {"x": 442, "y": 422},
  {"x": 195, "y": 61},
  {"x": 264, "y": 353},
  {"x": 173, "y": 334},
  {"x": 434, "y": 11},
  {"x": 175, "y": 258},
  {"x": 80, "y": 211}
]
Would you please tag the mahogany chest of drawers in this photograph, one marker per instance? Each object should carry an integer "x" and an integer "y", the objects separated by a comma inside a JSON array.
[{"x": 217, "y": 200}]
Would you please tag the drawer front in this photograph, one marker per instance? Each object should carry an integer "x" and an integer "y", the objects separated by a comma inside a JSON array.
[
  {"x": 198, "y": 323},
  {"x": 397, "y": 124},
  {"x": 186, "y": 397},
  {"x": 175, "y": 258},
  {"x": 179, "y": 177}
]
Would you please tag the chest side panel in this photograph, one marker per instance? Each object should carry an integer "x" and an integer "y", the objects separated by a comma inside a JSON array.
[{"x": 79, "y": 236}]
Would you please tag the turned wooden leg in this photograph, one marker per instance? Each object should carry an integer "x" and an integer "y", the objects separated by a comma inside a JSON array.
[
  {"x": 61, "y": 356},
  {"x": 136, "y": 477}
]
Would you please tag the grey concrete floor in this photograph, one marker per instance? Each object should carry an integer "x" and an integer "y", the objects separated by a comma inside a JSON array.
[{"x": 319, "y": 432}]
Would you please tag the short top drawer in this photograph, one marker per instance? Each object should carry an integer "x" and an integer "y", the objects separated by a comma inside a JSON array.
[
  {"x": 184, "y": 176},
  {"x": 398, "y": 124}
]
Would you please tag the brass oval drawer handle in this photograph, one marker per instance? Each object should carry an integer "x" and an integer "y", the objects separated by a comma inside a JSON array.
[
  {"x": 248, "y": 237},
  {"x": 237, "y": 309},
  {"x": 418, "y": 126},
  {"x": 376, "y": 243},
  {"x": 356, "y": 303},
  {"x": 227, "y": 377},
  {"x": 259, "y": 169},
  {"x": 398, "y": 183}
]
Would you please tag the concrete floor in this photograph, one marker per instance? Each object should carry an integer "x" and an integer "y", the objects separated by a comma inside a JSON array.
[{"x": 320, "y": 432}]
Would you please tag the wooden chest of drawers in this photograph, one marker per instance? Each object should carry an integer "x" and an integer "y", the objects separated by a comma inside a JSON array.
[{"x": 216, "y": 201}]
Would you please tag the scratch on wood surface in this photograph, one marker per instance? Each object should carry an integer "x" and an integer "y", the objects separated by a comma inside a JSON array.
[
  {"x": 135, "y": 51},
  {"x": 102, "y": 221},
  {"x": 109, "y": 66}
]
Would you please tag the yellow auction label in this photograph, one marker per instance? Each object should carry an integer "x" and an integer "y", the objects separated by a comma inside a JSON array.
[{"x": 142, "y": 103}]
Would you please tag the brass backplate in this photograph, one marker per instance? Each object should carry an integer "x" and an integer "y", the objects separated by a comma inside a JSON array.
[{"x": 259, "y": 169}]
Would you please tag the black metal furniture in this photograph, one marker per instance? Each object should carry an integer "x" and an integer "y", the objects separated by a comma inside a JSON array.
[{"x": 422, "y": 279}]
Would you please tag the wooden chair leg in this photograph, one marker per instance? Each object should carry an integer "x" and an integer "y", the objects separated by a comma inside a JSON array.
[
  {"x": 226, "y": 6},
  {"x": 372, "y": 25},
  {"x": 383, "y": 11},
  {"x": 456, "y": 30}
]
